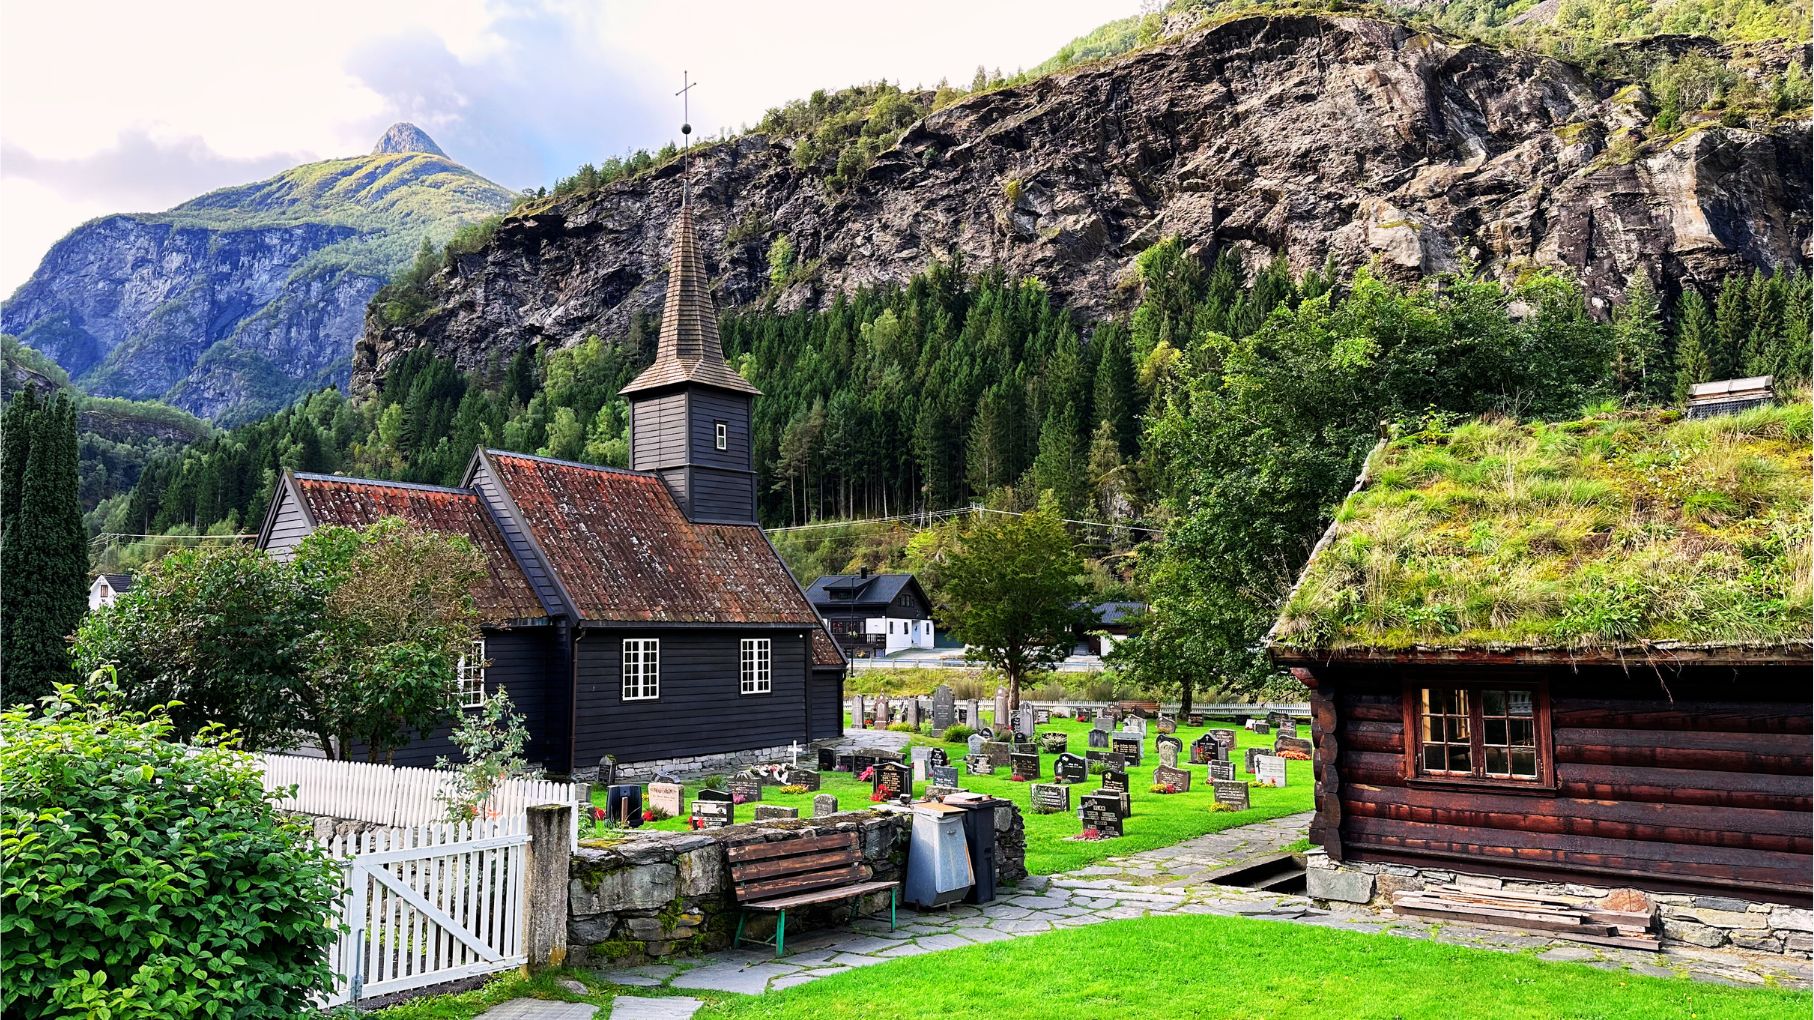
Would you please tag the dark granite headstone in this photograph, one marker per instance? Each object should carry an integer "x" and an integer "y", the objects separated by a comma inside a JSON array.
[
  {"x": 1194, "y": 719},
  {"x": 828, "y": 760},
  {"x": 1252, "y": 753},
  {"x": 979, "y": 765},
  {"x": 1261, "y": 728},
  {"x": 942, "y": 775},
  {"x": 1102, "y": 814},
  {"x": 1225, "y": 738},
  {"x": 944, "y": 708},
  {"x": 1023, "y": 766},
  {"x": 892, "y": 779},
  {"x": 937, "y": 756},
  {"x": 623, "y": 803},
  {"x": 795, "y": 776},
  {"x": 1068, "y": 768},
  {"x": 1203, "y": 750},
  {"x": 1292, "y": 744},
  {"x": 1114, "y": 781},
  {"x": 1233, "y": 794},
  {"x": 1165, "y": 775},
  {"x": 1099, "y": 738},
  {"x": 714, "y": 814},
  {"x": 716, "y": 796},
  {"x": 1223, "y": 770},
  {"x": 1050, "y": 798},
  {"x": 745, "y": 789},
  {"x": 1128, "y": 747}
]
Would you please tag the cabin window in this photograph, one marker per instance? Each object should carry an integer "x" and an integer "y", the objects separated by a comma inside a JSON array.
[
  {"x": 1488, "y": 733},
  {"x": 642, "y": 669},
  {"x": 755, "y": 661},
  {"x": 471, "y": 674},
  {"x": 721, "y": 434}
]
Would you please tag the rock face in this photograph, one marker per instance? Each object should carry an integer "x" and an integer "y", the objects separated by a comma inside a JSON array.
[
  {"x": 232, "y": 304},
  {"x": 1342, "y": 138},
  {"x": 404, "y": 137}
]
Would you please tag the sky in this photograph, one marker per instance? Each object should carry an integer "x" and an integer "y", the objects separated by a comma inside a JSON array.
[{"x": 135, "y": 107}]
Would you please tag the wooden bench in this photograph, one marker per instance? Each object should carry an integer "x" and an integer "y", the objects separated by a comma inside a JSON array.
[{"x": 795, "y": 873}]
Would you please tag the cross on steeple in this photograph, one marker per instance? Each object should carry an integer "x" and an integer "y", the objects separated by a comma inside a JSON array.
[{"x": 686, "y": 141}]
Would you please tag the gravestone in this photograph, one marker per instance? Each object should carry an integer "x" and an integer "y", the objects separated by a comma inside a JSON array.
[
  {"x": 999, "y": 752},
  {"x": 1249, "y": 724},
  {"x": 882, "y": 712},
  {"x": 825, "y": 804},
  {"x": 828, "y": 760},
  {"x": 937, "y": 756},
  {"x": 1278, "y": 719},
  {"x": 1292, "y": 744},
  {"x": 1041, "y": 716},
  {"x": 808, "y": 778},
  {"x": 1226, "y": 740},
  {"x": 1103, "y": 814},
  {"x": 607, "y": 771},
  {"x": 1023, "y": 722},
  {"x": 714, "y": 814},
  {"x": 1168, "y": 740},
  {"x": 1050, "y": 798},
  {"x": 944, "y": 708},
  {"x": 859, "y": 717},
  {"x": 1099, "y": 738},
  {"x": 846, "y": 762},
  {"x": 667, "y": 798},
  {"x": 979, "y": 765},
  {"x": 716, "y": 796},
  {"x": 1134, "y": 724},
  {"x": 1253, "y": 753},
  {"x": 943, "y": 775},
  {"x": 1001, "y": 720},
  {"x": 1068, "y": 768},
  {"x": 1231, "y": 793},
  {"x": 1114, "y": 781},
  {"x": 745, "y": 789},
  {"x": 1262, "y": 728},
  {"x": 1103, "y": 722},
  {"x": 1287, "y": 729},
  {"x": 1166, "y": 724},
  {"x": 1223, "y": 770},
  {"x": 862, "y": 761},
  {"x": 1166, "y": 775},
  {"x": 1270, "y": 770},
  {"x": 1168, "y": 756},
  {"x": 913, "y": 713},
  {"x": 892, "y": 779},
  {"x": 1023, "y": 766},
  {"x": 771, "y": 812},
  {"x": 1054, "y": 741},
  {"x": 986, "y": 732},
  {"x": 975, "y": 743},
  {"x": 974, "y": 715},
  {"x": 1203, "y": 750},
  {"x": 1128, "y": 747},
  {"x": 1194, "y": 718},
  {"x": 918, "y": 756}
]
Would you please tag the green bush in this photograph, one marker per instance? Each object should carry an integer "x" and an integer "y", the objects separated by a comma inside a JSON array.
[
  {"x": 957, "y": 734},
  {"x": 148, "y": 879}
]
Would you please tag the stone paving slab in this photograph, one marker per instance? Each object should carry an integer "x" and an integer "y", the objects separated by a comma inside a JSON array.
[
  {"x": 542, "y": 1009},
  {"x": 675, "y": 1007}
]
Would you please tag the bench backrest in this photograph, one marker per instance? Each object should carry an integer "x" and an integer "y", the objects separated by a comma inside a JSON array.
[{"x": 761, "y": 871}]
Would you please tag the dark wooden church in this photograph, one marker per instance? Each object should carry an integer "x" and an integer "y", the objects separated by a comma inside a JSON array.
[
  {"x": 1574, "y": 654},
  {"x": 640, "y": 613}
]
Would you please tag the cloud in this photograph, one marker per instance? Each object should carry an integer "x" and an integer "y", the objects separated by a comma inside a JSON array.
[{"x": 140, "y": 173}]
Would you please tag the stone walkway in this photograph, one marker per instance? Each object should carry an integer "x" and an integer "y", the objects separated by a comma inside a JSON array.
[{"x": 1169, "y": 880}]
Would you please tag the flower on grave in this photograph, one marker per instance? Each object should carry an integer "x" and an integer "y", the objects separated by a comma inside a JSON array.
[
  {"x": 648, "y": 816},
  {"x": 877, "y": 795},
  {"x": 736, "y": 798},
  {"x": 598, "y": 814},
  {"x": 1092, "y": 833},
  {"x": 794, "y": 789},
  {"x": 867, "y": 775}
]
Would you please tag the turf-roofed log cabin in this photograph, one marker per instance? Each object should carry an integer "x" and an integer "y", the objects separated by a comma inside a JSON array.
[
  {"x": 638, "y": 614},
  {"x": 1571, "y": 653}
]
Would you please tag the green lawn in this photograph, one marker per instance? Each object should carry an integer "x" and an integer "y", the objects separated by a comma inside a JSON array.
[
  {"x": 1203, "y": 966},
  {"x": 1158, "y": 819}
]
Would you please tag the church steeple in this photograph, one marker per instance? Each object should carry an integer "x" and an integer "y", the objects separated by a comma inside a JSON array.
[{"x": 689, "y": 410}]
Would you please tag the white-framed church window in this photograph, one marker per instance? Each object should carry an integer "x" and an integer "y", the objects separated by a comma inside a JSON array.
[
  {"x": 755, "y": 661},
  {"x": 471, "y": 673},
  {"x": 642, "y": 669}
]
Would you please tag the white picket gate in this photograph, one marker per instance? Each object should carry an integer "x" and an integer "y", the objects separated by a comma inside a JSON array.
[{"x": 429, "y": 903}]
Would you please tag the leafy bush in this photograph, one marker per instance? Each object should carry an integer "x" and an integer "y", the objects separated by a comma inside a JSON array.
[
  {"x": 148, "y": 879},
  {"x": 957, "y": 734},
  {"x": 899, "y": 727}
]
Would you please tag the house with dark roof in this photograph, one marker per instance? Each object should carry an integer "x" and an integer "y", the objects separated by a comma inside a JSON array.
[
  {"x": 874, "y": 614},
  {"x": 637, "y": 614},
  {"x": 1570, "y": 656},
  {"x": 105, "y": 588},
  {"x": 1107, "y": 625}
]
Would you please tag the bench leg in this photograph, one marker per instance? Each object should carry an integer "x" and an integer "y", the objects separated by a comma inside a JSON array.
[
  {"x": 892, "y": 897},
  {"x": 780, "y": 934},
  {"x": 737, "y": 943}
]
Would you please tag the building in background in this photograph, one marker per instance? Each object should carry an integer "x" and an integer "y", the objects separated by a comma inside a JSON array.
[
  {"x": 106, "y": 588},
  {"x": 874, "y": 614}
]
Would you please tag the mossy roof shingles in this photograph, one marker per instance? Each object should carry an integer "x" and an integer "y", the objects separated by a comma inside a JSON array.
[{"x": 1624, "y": 531}]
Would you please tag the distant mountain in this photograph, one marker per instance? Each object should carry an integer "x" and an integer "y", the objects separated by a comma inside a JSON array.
[{"x": 233, "y": 303}]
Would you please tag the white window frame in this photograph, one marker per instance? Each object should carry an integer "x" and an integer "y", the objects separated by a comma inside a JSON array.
[
  {"x": 642, "y": 669},
  {"x": 755, "y": 666},
  {"x": 470, "y": 672},
  {"x": 722, "y": 434}
]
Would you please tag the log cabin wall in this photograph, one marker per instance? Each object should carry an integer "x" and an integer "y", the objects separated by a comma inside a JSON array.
[{"x": 1697, "y": 781}]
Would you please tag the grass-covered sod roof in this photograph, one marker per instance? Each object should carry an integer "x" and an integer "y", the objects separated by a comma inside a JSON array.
[{"x": 1619, "y": 530}]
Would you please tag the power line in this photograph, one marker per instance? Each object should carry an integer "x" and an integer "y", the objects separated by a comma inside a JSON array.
[
  {"x": 953, "y": 512},
  {"x": 140, "y": 534}
]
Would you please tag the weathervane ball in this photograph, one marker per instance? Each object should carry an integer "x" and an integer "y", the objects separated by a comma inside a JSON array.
[{"x": 686, "y": 129}]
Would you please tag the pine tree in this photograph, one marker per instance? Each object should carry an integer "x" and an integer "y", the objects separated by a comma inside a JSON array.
[
  {"x": 1059, "y": 468},
  {"x": 1639, "y": 364},
  {"x": 1795, "y": 348},
  {"x": 1694, "y": 335},
  {"x": 1766, "y": 297},
  {"x": 1112, "y": 399},
  {"x": 1732, "y": 327}
]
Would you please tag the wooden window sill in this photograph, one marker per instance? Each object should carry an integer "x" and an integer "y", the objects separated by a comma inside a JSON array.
[{"x": 1528, "y": 789}]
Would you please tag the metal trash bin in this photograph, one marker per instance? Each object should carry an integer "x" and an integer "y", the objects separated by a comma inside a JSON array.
[
  {"x": 979, "y": 834},
  {"x": 938, "y": 857}
]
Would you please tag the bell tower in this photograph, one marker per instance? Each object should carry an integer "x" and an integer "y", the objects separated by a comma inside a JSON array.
[{"x": 689, "y": 410}]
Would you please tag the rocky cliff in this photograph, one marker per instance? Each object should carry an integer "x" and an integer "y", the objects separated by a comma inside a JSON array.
[
  {"x": 1320, "y": 137},
  {"x": 233, "y": 303}
]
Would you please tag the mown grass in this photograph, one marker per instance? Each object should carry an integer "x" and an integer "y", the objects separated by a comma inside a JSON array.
[
  {"x": 1231, "y": 967},
  {"x": 1618, "y": 528},
  {"x": 1158, "y": 820}
]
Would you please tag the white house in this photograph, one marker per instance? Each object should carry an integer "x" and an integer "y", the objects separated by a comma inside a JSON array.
[{"x": 106, "y": 588}]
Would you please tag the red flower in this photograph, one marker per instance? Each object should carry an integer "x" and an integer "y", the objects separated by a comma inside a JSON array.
[{"x": 648, "y": 816}]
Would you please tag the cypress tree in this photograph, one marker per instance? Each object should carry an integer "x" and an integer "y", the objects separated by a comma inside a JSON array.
[
  {"x": 43, "y": 553},
  {"x": 1694, "y": 336}
]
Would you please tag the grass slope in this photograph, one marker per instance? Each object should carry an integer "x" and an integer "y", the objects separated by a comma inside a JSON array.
[
  {"x": 1202, "y": 966},
  {"x": 1158, "y": 820},
  {"x": 1620, "y": 527}
]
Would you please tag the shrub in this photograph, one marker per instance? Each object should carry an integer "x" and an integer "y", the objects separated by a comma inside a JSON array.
[
  {"x": 957, "y": 734},
  {"x": 899, "y": 727},
  {"x": 148, "y": 879}
]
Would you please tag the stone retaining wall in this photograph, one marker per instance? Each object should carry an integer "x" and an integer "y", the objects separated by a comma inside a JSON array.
[
  {"x": 657, "y": 894},
  {"x": 1707, "y": 921},
  {"x": 696, "y": 765}
]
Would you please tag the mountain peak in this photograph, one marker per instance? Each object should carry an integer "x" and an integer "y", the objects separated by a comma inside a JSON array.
[{"x": 406, "y": 137}]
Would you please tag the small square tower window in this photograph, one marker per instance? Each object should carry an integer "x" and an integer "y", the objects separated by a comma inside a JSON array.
[{"x": 723, "y": 435}]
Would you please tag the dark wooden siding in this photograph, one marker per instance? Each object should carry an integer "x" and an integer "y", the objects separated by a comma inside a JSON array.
[
  {"x": 526, "y": 661},
  {"x": 700, "y": 710},
  {"x": 1702, "y": 785},
  {"x": 288, "y": 528},
  {"x": 516, "y": 537},
  {"x": 658, "y": 431},
  {"x": 827, "y": 703},
  {"x": 676, "y": 481},
  {"x": 719, "y": 495},
  {"x": 707, "y": 408}
]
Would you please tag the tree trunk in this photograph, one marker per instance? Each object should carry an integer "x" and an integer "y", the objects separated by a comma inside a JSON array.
[{"x": 1185, "y": 690}]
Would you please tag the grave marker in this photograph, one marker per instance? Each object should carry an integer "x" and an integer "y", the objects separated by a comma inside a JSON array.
[
  {"x": 1262, "y": 728},
  {"x": 1103, "y": 722},
  {"x": 860, "y": 716},
  {"x": 1292, "y": 744},
  {"x": 771, "y": 812},
  {"x": 1225, "y": 739},
  {"x": 828, "y": 760},
  {"x": 1102, "y": 814},
  {"x": 1023, "y": 766},
  {"x": 1024, "y": 722},
  {"x": 714, "y": 814},
  {"x": 1252, "y": 753},
  {"x": 1289, "y": 729},
  {"x": 944, "y": 708},
  {"x": 1165, "y": 775},
  {"x": 808, "y": 778},
  {"x": 1050, "y": 798},
  {"x": 1001, "y": 720},
  {"x": 1203, "y": 750},
  {"x": 745, "y": 789},
  {"x": 1166, "y": 724},
  {"x": 1041, "y": 716},
  {"x": 938, "y": 757},
  {"x": 1099, "y": 738},
  {"x": 1233, "y": 794},
  {"x": 825, "y": 804},
  {"x": 1114, "y": 784},
  {"x": 667, "y": 798},
  {"x": 892, "y": 779},
  {"x": 1223, "y": 770},
  {"x": 1194, "y": 718},
  {"x": 716, "y": 796},
  {"x": 943, "y": 775},
  {"x": 1068, "y": 768},
  {"x": 979, "y": 765},
  {"x": 913, "y": 713},
  {"x": 1054, "y": 741},
  {"x": 975, "y": 743},
  {"x": 1128, "y": 747},
  {"x": 1168, "y": 756},
  {"x": 1271, "y": 770}
]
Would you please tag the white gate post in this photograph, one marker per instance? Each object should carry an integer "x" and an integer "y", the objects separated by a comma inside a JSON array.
[{"x": 545, "y": 896}]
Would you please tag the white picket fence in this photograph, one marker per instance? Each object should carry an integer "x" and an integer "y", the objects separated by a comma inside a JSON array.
[
  {"x": 426, "y": 904},
  {"x": 397, "y": 796}
]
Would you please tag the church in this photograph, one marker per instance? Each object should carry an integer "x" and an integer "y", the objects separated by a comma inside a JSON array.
[{"x": 641, "y": 614}]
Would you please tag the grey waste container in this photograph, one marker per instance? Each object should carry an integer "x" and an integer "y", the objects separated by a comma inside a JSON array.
[{"x": 938, "y": 858}]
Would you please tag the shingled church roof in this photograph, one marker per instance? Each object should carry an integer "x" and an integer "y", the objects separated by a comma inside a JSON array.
[{"x": 689, "y": 350}]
